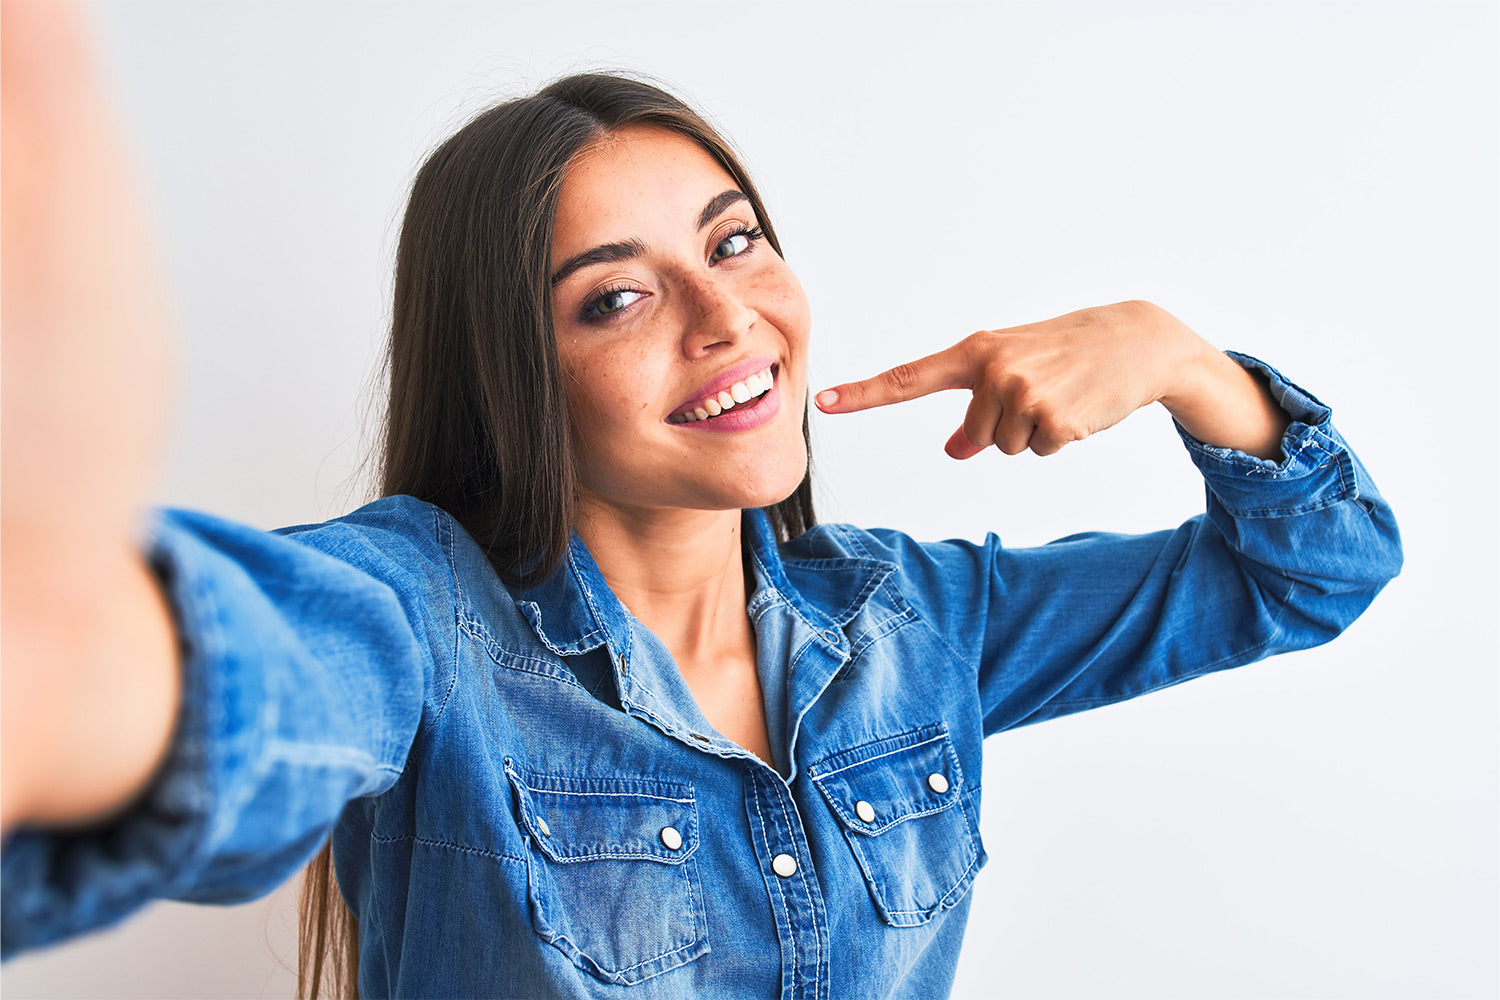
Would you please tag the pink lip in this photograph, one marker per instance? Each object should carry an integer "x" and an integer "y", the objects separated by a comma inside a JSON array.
[
  {"x": 743, "y": 417},
  {"x": 722, "y": 381}
]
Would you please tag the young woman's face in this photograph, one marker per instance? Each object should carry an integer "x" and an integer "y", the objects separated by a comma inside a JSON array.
[{"x": 682, "y": 333}]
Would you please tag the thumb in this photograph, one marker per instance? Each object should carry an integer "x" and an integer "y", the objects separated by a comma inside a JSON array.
[{"x": 959, "y": 447}]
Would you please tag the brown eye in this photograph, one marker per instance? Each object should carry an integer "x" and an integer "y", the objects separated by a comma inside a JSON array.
[
  {"x": 611, "y": 302},
  {"x": 731, "y": 246}
]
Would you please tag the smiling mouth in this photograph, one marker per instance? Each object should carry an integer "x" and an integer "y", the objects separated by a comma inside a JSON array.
[{"x": 743, "y": 395}]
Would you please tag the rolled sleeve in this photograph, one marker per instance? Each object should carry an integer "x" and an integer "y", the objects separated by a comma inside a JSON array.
[
  {"x": 1316, "y": 468},
  {"x": 1286, "y": 555},
  {"x": 304, "y": 661}
]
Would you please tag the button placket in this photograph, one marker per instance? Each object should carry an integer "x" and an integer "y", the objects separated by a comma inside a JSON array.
[{"x": 794, "y": 896}]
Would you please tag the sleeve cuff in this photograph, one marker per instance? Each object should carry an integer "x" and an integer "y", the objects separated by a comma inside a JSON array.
[
  {"x": 59, "y": 883},
  {"x": 1316, "y": 469}
]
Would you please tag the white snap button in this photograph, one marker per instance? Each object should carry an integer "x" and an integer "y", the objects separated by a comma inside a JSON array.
[
  {"x": 784, "y": 865},
  {"x": 864, "y": 811},
  {"x": 831, "y": 636},
  {"x": 541, "y": 825},
  {"x": 671, "y": 837},
  {"x": 937, "y": 783}
]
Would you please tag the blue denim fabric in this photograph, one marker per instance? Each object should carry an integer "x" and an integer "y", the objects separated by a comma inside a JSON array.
[{"x": 526, "y": 801}]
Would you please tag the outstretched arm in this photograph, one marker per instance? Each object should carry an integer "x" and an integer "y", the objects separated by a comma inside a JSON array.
[{"x": 90, "y": 666}]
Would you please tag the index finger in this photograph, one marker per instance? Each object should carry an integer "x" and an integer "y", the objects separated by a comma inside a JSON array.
[{"x": 947, "y": 369}]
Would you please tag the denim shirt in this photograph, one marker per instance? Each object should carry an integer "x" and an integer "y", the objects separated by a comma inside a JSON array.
[{"x": 525, "y": 800}]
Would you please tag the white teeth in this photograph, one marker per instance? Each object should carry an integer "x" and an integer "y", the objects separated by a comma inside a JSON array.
[{"x": 755, "y": 385}]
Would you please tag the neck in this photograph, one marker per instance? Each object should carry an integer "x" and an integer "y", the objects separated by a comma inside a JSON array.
[{"x": 680, "y": 572}]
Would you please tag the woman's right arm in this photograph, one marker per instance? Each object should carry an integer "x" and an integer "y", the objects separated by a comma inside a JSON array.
[
  {"x": 91, "y": 689},
  {"x": 309, "y": 660},
  {"x": 90, "y": 684},
  {"x": 188, "y": 704}
]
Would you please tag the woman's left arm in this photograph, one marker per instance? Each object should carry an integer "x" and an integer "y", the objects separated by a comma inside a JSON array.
[
  {"x": 1044, "y": 385},
  {"x": 1294, "y": 544}
]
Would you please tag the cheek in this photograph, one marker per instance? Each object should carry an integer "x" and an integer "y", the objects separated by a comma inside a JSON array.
[
  {"x": 601, "y": 402},
  {"x": 786, "y": 306}
]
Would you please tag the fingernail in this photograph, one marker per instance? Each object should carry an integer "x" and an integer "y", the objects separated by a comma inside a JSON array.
[{"x": 827, "y": 398}]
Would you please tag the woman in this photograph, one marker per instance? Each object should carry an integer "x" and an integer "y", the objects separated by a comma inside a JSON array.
[{"x": 587, "y": 700}]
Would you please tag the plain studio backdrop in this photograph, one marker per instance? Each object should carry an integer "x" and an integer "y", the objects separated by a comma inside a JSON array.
[{"x": 1312, "y": 183}]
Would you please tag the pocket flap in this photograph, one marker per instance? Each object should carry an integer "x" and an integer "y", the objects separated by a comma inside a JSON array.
[
  {"x": 873, "y": 787},
  {"x": 590, "y": 819}
]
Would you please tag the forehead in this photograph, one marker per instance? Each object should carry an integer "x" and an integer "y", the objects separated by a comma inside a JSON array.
[{"x": 633, "y": 183}]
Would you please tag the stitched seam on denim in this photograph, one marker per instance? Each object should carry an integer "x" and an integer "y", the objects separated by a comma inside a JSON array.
[
  {"x": 1343, "y": 489},
  {"x": 938, "y": 737},
  {"x": 585, "y": 779},
  {"x": 861, "y": 829},
  {"x": 611, "y": 795},
  {"x": 942, "y": 904},
  {"x": 561, "y": 649},
  {"x": 797, "y": 613},
  {"x": 677, "y": 857},
  {"x": 871, "y": 585},
  {"x": 879, "y": 630},
  {"x": 429, "y": 842},
  {"x": 806, "y": 889},
  {"x": 673, "y": 725},
  {"x": 854, "y": 541},
  {"x": 937, "y": 633},
  {"x": 689, "y": 876},
  {"x": 679, "y": 949},
  {"x": 1305, "y": 508},
  {"x": 501, "y": 656},
  {"x": 855, "y": 825},
  {"x": 878, "y": 575},
  {"x": 445, "y": 540},
  {"x": 588, "y": 598},
  {"x": 761, "y": 600},
  {"x": 776, "y": 881},
  {"x": 616, "y": 853}
]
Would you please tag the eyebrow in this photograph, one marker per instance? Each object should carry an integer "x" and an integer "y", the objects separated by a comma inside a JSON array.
[
  {"x": 613, "y": 253},
  {"x": 604, "y": 253},
  {"x": 717, "y": 204}
]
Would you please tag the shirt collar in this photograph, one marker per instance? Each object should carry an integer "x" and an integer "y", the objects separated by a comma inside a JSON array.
[{"x": 574, "y": 611}]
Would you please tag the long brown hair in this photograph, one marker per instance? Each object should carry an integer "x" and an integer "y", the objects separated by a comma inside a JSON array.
[{"x": 476, "y": 420}]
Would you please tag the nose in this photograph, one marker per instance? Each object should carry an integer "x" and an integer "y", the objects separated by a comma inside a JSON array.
[{"x": 717, "y": 315}]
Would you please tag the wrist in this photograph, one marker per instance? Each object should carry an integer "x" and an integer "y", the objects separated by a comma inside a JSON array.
[{"x": 1226, "y": 406}]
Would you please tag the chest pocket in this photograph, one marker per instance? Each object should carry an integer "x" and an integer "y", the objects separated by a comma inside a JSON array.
[
  {"x": 612, "y": 879},
  {"x": 900, "y": 803}
]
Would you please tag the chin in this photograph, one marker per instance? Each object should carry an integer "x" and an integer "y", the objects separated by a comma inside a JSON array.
[{"x": 775, "y": 484}]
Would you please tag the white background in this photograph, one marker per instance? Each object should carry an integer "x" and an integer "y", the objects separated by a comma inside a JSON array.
[{"x": 1314, "y": 183}]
